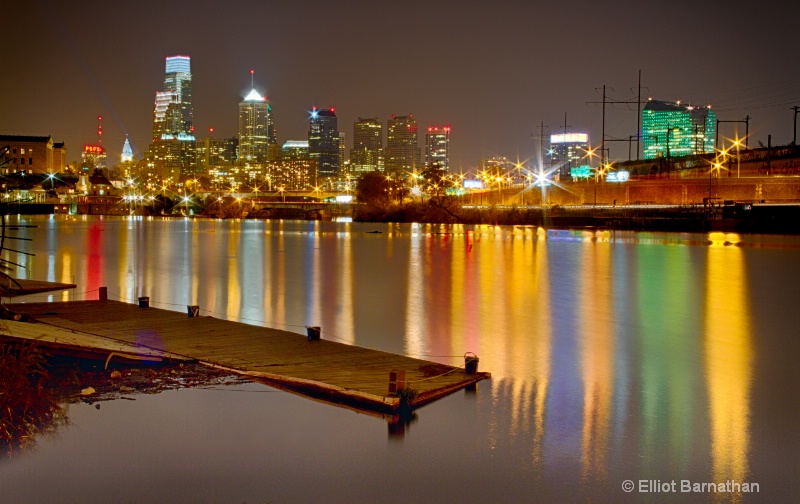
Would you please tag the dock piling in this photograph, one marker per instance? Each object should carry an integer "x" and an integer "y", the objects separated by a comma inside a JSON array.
[
  {"x": 103, "y": 293},
  {"x": 313, "y": 332},
  {"x": 470, "y": 363},
  {"x": 397, "y": 381}
]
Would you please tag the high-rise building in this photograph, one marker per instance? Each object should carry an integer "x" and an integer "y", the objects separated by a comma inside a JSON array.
[
  {"x": 172, "y": 151},
  {"x": 402, "y": 150},
  {"x": 437, "y": 148},
  {"x": 216, "y": 151},
  {"x": 93, "y": 158},
  {"x": 295, "y": 149},
  {"x": 323, "y": 141},
  {"x": 671, "y": 129},
  {"x": 344, "y": 163},
  {"x": 178, "y": 80},
  {"x": 567, "y": 151},
  {"x": 295, "y": 170},
  {"x": 367, "y": 152},
  {"x": 253, "y": 128}
]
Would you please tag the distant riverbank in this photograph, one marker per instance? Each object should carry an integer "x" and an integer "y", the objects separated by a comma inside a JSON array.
[
  {"x": 733, "y": 217},
  {"x": 752, "y": 218}
]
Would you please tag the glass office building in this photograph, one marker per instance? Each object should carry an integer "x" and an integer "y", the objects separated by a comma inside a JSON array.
[{"x": 671, "y": 129}]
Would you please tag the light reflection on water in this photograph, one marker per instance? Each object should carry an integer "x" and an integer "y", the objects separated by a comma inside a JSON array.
[{"x": 614, "y": 355}]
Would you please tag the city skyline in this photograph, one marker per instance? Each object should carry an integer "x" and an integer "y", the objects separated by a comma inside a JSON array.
[{"x": 493, "y": 75}]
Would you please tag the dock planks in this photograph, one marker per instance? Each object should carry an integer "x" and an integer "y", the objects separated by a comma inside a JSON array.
[{"x": 337, "y": 372}]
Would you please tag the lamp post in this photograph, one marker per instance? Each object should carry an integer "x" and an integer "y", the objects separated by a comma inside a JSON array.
[{"x": 737, "y": 143}]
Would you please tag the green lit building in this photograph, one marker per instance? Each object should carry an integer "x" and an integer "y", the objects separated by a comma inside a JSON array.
[{"x": 671, "y": 129}]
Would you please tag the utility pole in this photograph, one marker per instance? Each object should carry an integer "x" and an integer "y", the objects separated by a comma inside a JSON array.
[
  {"x": 746, "y": 131},
  {"x": 627, "y": 103},
  {"x": 603, "y": 139},
  {"x": 638, "y": 120},
  {"x": 746, "y": 122},
  {"x": 794, "y": 136},
  {"x": 541, "y": 142}
]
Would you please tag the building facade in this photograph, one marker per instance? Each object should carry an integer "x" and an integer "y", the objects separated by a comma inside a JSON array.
[
  {"x": 29, "y": 154},
  {"x": 93, "y": 158},
  {"x": 402, "y": 150},
  {"x": 367, "y": 152},
  {"x": 437, "y": 148},
  {"x": 671, "y": 129},
  {"x": 216, "y": 151},
  {"x": 178, "y": 80},
  {"x": 253, "y": 128},
  {"x": 568, "y": 151},
  {"x": 172, "y": 152},
  {"x": 323, "y": 142}
]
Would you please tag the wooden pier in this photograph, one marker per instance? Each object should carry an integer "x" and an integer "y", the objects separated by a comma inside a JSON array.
[{"x": 345, "y": 374}]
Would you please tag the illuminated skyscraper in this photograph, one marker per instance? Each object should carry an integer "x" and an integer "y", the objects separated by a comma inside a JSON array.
[
  {"x": 172, "y": 150},
  {"x": 178, "y": 85},
  {"x": 671, "y": 129},
  {"x": 437, "y": 148},
  {"x": 253, "y": 128},
  {"x": 367, "y": 152},
  {"x": 402, "y": 151},
  {"x": 567, "y": 151},
  {"x": 323, "y": 141}
]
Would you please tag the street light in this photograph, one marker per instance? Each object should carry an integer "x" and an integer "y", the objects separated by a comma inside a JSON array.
[{"x": 737, "y": 143}]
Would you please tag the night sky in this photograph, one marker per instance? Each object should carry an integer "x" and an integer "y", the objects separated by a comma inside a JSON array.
[{"x": 493, "y": 71}]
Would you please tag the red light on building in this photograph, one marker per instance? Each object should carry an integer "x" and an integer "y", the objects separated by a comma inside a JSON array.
[
  {"x": 93, "y": 149},
  {"x": 333, "y": 109}
]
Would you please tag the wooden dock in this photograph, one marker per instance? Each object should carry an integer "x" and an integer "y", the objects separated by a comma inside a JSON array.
[{"x": 327, "y": 370}]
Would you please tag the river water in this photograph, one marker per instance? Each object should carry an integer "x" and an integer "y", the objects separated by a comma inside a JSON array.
[{"x": 664, "y": 359}]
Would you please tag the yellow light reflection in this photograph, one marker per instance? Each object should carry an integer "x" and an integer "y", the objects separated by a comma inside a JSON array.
[
  {"x": 66, "y": 270},
  {"x": 233, "y": 292},
  {"x": 728, "y": 362},
  {"x": 415, "y": 300},
  {"x": 596, "y": 340},
  {"x": 541, "y": 346},
  {"x": 315, "y": 310},
  {"x": 347, "y": 279},
  {"x": 461, "y": 266}
]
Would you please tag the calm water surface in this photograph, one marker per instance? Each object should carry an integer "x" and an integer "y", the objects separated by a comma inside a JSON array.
[{"x": 615, "y": 356}]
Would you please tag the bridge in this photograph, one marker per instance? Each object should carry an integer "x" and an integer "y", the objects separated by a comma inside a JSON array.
[{"x": 298, "y": 207}]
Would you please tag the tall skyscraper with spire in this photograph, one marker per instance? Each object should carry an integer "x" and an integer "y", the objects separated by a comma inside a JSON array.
[{"x": 254, "y": 131}]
